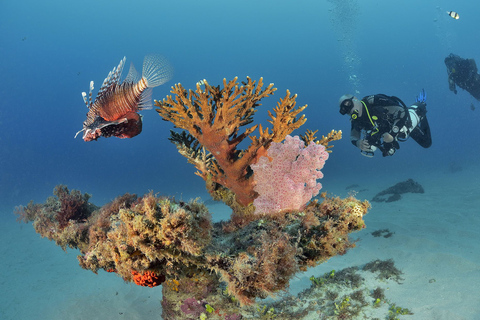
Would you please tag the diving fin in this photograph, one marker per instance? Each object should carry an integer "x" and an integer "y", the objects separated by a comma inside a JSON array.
[{"x": 422, "y": 97}]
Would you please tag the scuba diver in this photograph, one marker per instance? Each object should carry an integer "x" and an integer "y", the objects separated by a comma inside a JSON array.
[
  {"x": 380, "y": 122},
  {"x": 463, "y": 73}
]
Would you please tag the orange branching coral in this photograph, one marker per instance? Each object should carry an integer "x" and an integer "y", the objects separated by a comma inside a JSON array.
[
  {"x": 147, "y": 279},
  {"x": 213, "y": 117},
  {"x": 331, "y": 136}
]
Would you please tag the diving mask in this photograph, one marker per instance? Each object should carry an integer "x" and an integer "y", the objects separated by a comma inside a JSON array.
[{"x": 346, "y": 106}]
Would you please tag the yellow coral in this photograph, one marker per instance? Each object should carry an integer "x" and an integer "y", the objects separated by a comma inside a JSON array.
[{"x": 310, "y": 137}]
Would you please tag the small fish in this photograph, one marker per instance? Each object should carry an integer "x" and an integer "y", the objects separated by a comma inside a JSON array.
[
  {"x": 201, "y": 82},
  {"x": 453, "y": 14},
  {"x": 114, "y": 113},
  {"x": 472, "y": 107}
]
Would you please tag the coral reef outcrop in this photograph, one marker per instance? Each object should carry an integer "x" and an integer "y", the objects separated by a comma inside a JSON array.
[
  {"x": 151, "y": 240},
  {"x": 204, "y": 267}
]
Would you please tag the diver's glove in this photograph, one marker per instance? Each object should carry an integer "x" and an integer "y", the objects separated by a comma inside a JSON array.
[
  {"x": 451, "y": 86},
  {"x": 389, "y": 149},
  {"x": 363, "y": 145},
  {"x": 421, "y": 108}
]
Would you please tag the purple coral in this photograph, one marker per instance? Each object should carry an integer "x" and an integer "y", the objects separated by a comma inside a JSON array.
[
  {"x": 233, "y": 317},
  {"x": 289, "y": 180},
  {"x": 193, "y": 306}
]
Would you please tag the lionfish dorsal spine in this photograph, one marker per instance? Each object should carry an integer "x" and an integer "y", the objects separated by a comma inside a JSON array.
[
  {"x": 90, "y": 92},
  {"x": 84, "y": 95},
  {"x": 118, "y": 73},
  {"x": 133, "y": 76},
  {"x": 112, "y": 78}
]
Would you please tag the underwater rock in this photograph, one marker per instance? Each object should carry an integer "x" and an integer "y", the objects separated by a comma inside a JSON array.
[{"x": 395, "y": 192}]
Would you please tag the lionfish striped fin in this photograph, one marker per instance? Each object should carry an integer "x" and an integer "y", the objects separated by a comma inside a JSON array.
[
  {"x": 84, "y": 95},
  {"x": 112, "y": 79},
  {"x": 106, "y": 81},
  {"x": 145, "y": 102},
  {"x": 132, "y": 76},
  {"x": 156, "y": 70},
  {"x": 118, "y": 72}
]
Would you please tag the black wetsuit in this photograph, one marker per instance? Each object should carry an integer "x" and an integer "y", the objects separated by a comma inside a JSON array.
[
  {"x": 387, "y": 114},
  {"x": 379, "y": 115},
  {"x": 463, "y": 73}
]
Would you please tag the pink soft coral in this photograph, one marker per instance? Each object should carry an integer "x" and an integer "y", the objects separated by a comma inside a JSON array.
[{"x": 289, "y": 180}]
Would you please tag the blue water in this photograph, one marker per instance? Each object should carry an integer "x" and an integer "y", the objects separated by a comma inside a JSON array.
[{"x": 51, "y": 50}]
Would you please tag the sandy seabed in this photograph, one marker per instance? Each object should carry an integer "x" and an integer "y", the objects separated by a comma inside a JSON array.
[{"x": 435, "y": 242}]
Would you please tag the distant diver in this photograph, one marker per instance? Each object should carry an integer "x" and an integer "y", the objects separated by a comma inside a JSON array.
[
  {"x": 463, "y": 73},
  {"x": 453, "y": 14},
  {"x": 380, "y": 122},
  {"x": 114, "y": 113}
]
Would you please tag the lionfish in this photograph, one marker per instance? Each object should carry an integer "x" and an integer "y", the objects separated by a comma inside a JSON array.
[{"x": 115, "y": 109}]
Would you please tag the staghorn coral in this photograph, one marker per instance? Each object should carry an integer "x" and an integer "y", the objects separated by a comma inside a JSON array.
[
  {"x": 310, "y": 137},
  {"x": 213, "y": 117}
]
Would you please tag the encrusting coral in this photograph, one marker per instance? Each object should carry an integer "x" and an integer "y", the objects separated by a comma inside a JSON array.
[
  {"x": 150, "y": 240},
  {"x": 217, "y": 268}
]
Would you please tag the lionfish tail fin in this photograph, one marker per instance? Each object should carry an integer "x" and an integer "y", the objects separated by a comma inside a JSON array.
[{"x": 156, "y": 70}]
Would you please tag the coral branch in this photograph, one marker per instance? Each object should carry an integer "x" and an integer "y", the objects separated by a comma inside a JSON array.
[
  {"x": 213, "y": 117},
  {"x": 310, "y": 137}
]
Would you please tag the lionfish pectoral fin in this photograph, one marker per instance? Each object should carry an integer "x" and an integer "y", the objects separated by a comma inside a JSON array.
[
  {"x": 114, "y": 122},
  {"x": 156, "y": 70},
  {"x": 145, "y": 102}
]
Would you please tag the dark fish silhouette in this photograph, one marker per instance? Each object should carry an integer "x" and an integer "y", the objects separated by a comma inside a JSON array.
[{"x": 115, "y": 109}]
